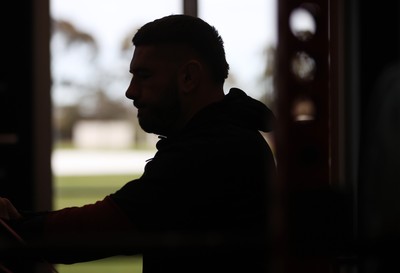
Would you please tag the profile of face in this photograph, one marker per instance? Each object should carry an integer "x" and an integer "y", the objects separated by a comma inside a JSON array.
[{"x": 154, "y": 90}]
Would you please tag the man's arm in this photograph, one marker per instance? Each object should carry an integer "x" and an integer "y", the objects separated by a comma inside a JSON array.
[
  {"x": 73, "y": 234},
  {"x": 7, "y": 210}
]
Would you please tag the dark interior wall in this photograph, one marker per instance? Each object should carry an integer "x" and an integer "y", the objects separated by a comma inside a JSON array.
[
  {"x": 366, "y": 77},
  {"x": 372, "y": 101},
  {"x": 379, "y": 97},
  {"x": 379, "y": 33},
  {"x": 16, "y": 96},
  {"x": 42, "y": 105},
  {"x": 25, "y": 107},
  {"x": 379, "y": 30}
]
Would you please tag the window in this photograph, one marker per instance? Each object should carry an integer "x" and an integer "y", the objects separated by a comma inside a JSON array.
[{"x": 90, "y": 54}]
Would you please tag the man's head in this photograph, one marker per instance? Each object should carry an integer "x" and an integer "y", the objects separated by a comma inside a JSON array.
[
  {"x": 178, "y": 68},
  {"x": 192, "y": 33}
]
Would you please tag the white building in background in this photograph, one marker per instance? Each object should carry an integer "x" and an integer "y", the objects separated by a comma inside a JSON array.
[{"x": 114, "y": 134}]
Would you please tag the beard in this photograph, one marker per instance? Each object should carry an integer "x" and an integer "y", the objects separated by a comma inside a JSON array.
[{"x": 163, "y": 117}]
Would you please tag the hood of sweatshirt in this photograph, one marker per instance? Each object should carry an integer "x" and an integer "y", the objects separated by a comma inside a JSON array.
[
  {"x": 239, "y": 109},
  {"x": 248, "y": 112}
]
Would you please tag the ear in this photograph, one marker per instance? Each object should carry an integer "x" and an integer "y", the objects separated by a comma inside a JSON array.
[{"x": 190, "y": 75}]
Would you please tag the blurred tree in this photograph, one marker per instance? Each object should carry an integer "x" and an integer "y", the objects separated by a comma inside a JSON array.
[
  {"x": 72, "y": 35},
  {"x": 82, "y": 93},
  {"x": 98, "y": 105},
  {"x": 268, "y": 77},
  {"x": 65, "y": 39},
  {"x": 64, "y": 120}
]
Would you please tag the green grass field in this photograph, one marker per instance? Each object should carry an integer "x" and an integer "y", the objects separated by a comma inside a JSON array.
[{"x": 80, "y": 190}]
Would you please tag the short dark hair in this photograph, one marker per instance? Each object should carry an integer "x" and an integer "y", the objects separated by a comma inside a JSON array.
[{"x": 190, "y": 31}]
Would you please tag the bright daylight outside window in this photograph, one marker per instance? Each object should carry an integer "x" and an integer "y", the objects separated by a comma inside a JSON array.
[{"x": 98, "y": 145}]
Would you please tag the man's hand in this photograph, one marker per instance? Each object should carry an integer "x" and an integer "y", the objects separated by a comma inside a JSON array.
[{"x": 7, "y": 210}]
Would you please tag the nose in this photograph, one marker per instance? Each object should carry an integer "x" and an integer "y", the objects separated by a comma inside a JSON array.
[{"x": 130, "y": 92}]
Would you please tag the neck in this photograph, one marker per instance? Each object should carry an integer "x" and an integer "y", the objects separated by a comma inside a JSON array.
[{"x": 195, "y": 102}]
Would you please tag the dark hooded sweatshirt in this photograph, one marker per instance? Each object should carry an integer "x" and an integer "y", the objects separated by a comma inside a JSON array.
[{"x": 201, "y": 204}]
